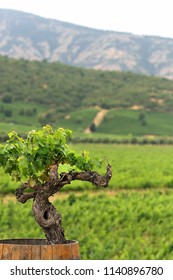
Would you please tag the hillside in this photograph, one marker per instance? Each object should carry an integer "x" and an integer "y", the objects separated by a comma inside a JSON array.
[
  {"x": 36, "y": 93},
  {"x": 32, "y": 37}
]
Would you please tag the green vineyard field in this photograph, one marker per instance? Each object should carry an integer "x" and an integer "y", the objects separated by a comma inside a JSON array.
[
  {"x": 134, "y": 167},
  {"x": 131, "y": 219},
  {"x": 126, "y": 225}
]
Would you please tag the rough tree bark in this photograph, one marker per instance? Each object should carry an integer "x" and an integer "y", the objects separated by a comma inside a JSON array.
[{"x": 46, "y": 215}]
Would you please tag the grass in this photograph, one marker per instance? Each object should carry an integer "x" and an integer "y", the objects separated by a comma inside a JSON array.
[
  {"x": 22, "y": 113},
  {"x": 5, "y": 128},
  {"x": 125, "y": 122},
  {"x": 79, "y": 120},
  {"x": 126, "y": 225},
  {"x": 131, "y": 219},
  {"x": 116, "y": 122},
  {"x": 135, "y": 166}
]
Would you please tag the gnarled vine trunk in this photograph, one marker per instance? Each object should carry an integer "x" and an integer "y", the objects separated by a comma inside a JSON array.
[
  {"x": 48, "y": 218},
  {"x": 46, "y": 215}
]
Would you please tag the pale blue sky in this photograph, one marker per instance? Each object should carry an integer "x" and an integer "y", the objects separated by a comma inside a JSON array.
[{"x": 143, "y": 17}]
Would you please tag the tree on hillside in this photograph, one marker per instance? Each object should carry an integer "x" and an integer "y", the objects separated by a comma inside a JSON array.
[
  {"x": 36, "y": 161},
  {"x": 142, "y": 119}
]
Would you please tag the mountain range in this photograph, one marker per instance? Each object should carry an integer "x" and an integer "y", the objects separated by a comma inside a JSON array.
[{"x": 32, "y": 37}]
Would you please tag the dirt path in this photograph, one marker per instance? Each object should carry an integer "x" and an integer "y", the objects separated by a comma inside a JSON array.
[
  {"x": 98, "y": 119},
  {"x": 64, "y": 195}
]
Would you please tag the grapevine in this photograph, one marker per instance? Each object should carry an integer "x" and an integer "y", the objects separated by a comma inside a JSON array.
[
  {"x": 30, "y": 159},
  {"x": 35, "y": 160}
]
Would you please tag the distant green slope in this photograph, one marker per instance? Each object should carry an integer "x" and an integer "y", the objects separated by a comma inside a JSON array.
[
  {"x": 137, "y": 123},
  {"x": 35, "y": 93}
]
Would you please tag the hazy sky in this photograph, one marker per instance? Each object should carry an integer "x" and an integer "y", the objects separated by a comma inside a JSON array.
[{"x": 143, "y": 17}]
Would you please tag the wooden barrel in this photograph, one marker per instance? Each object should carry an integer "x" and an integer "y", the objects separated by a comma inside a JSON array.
[{"x": 37, "y": 249}]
